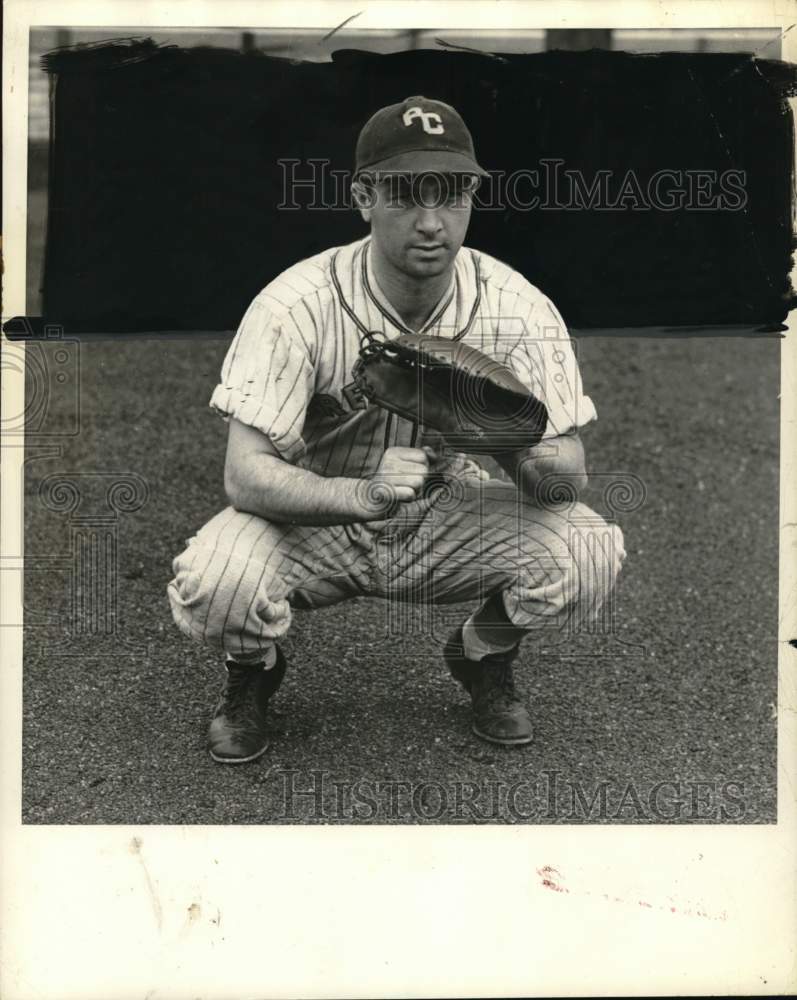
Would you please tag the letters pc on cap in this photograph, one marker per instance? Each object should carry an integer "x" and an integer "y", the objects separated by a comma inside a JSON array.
[{"x": 417, "y": 136}]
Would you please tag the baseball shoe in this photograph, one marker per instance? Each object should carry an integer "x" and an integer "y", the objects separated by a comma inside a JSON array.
[
  {"x": 499, "y": 716},
  {"x": 238, "y": 732}
]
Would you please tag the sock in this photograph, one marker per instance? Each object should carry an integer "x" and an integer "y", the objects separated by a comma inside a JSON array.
[
  {"x": 475, "y": 647},
  {"x": 267, "y": 657}
]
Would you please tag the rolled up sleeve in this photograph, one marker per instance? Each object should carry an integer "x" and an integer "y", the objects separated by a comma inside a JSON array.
[{"x": 266, "y": 381}]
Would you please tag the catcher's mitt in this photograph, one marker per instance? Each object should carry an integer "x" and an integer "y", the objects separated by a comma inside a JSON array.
[{"x": 477, "y": 403}]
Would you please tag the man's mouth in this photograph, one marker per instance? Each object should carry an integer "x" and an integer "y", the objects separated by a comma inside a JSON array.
[{"x": 428, "y": 247}]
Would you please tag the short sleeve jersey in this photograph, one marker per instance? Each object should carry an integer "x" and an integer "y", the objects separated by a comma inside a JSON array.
[{"x": 293, "y": 353}]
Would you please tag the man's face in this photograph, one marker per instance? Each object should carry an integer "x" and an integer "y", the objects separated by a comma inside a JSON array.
[{"x": 420, "y": 223}]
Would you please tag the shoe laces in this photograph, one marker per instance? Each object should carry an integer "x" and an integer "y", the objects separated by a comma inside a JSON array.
[
  {"x": 496, "y": 683},
  {"x": 238, "y": 704}
]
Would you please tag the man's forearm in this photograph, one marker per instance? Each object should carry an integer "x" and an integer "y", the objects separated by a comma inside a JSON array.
[
  {"x": 277, "y": 491},
  {"x": 551, "y": 473}
]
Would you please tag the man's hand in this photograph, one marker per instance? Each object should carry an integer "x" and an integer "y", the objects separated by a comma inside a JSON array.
[
  {"x": 400, "y": 475},
  {"x": 447, "y": 464}
]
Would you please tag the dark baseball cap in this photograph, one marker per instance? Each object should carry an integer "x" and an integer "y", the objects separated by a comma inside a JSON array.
[{"x": 416, "y": 136}]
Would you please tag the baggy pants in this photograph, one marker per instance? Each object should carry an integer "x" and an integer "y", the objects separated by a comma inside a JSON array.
[{"x": 240, "y": 576}]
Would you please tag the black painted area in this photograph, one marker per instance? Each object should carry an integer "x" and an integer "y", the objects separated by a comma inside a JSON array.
[{"x": 165, "y": 181}]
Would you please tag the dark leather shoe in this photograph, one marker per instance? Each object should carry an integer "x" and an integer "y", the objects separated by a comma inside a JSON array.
[
  {"x": 238, "y": 732},
  {"x": 499, "y": 716}
]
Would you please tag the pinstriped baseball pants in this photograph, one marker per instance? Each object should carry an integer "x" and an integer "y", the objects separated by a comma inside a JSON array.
[{"x": 239, "y": 577}]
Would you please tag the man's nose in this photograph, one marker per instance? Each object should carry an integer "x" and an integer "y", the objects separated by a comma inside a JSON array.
[{"x": 428, "y": 221}]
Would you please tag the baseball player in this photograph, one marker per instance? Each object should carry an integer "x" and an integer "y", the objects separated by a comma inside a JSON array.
[{"x": 309, "y": 464}]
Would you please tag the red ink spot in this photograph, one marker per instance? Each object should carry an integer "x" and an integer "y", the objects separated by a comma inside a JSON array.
[{"x": 544, "y": 872}]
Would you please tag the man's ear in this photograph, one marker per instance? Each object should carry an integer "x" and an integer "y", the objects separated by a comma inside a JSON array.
[{"x": 364, "y": 196}]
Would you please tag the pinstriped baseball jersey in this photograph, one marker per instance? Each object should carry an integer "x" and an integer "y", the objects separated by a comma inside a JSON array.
[{"x": 292, "y": 357}]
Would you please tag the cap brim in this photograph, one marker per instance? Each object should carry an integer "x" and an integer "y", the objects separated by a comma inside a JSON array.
[{"x": 425, "y": 161}]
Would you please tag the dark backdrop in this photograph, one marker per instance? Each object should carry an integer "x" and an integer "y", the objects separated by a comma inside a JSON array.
[{"x": 165, "y": 182}]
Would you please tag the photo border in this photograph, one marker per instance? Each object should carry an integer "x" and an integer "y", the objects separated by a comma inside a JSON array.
[{"x": 217, "y": 912}]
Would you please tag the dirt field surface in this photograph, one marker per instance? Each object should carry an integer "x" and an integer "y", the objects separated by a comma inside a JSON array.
[{"x": 668, "y": 718}]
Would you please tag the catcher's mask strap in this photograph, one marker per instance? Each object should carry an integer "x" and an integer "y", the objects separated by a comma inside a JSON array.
[
  {"x": 366, "y": 265},
  {"x": 369, "y": 335}
]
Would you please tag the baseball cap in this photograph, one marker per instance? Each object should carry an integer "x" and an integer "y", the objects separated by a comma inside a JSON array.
[{"x": 416, "y": 136}]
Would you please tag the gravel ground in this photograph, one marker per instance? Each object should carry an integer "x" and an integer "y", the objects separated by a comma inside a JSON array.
[{"x": 671, "y": 719}]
